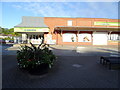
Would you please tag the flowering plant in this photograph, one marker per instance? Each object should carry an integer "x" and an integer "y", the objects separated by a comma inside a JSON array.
[{"x": 32, "y": 57}]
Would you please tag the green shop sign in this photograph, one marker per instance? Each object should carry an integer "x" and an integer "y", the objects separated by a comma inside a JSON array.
[
  {"x": 107, "y": 23},
  {"x": 24, "y": 29}
]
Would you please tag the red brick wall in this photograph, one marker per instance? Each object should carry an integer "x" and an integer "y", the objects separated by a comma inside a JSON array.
[
  {"x": 52, "y": 22},
  {"x": 113, "y": 43}
]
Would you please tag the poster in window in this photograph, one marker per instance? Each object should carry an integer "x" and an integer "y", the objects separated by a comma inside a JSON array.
[
  {"x": 69, "y": 37},
  {"x": 85, "y": 37}
]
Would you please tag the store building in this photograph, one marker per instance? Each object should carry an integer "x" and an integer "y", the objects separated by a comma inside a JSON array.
[{"x": 69, "y": 31}]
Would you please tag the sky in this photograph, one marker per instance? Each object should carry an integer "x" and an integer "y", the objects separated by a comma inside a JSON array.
[{"x": 12, "y": 12}]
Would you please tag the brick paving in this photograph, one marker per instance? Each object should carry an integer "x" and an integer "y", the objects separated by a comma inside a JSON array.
[{"x": 64, "y": 74}]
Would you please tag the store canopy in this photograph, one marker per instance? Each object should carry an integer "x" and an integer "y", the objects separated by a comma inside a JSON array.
[
  {"x": 31, "y": 24},
  {"x": 79, "y": 28}
]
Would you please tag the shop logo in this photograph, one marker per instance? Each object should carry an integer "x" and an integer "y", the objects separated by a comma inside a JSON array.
[
  {"x": 107, "y": 23},
  {"x": 104, "y": 23},
  {"x": 29, "y": 29}
]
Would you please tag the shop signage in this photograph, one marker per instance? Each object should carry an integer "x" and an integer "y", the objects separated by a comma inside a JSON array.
[
  {"x": 107, "y": 23},
  {"x": 23, "y": 29},
  {"x": 29, "y": 29}
]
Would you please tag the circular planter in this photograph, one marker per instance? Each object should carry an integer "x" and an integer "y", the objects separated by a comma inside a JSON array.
[{"x": 39, "y": 70}]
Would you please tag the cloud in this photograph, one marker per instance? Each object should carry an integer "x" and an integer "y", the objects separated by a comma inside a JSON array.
[
  {"x": 102, "y": 9},
  {"x": 73, "y": 9},
  {"x": 17, "y": 6}
]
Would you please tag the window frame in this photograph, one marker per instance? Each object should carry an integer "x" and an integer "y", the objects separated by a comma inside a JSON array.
[
  {"x": 114, "y": 37},
  {"x": 69, "y": 23}
]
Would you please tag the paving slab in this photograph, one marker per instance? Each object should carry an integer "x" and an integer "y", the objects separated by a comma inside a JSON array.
[{"x": 68, "y": 72}]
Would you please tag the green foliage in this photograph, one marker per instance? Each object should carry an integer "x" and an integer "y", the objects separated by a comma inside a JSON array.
[
  {"x": 31, "y": 57},
  {"x": 8, "y": 38},
  {"x": 1, "y": 29},
  {"x": 9, "y": 31},
  {"x": 5, "y": 31}
]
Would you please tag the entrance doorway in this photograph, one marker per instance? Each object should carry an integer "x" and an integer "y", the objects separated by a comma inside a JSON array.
[
  {"x": 35, "y": 38},
  {"x": 100, "y": 38}
]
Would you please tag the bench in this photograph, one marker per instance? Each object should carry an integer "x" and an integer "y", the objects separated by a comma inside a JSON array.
[{"x": 109, "y": 61}]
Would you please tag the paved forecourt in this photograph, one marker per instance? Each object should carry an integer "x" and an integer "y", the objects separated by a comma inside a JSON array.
[{"x": 68, "y": 72}]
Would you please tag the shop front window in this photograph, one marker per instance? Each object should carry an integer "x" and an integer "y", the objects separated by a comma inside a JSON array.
[
  {"x": 114, "y": 37},
  {"x": 30, "y": 36},
  {"x": 36, "y": 36},
  {"x": 84, "y": 37},
  {"x": 33, "y": 36},
  {"x": 36, "y": 39},
  {"x": 69, "y": 22},
  {"x": 69, "y": 37}
]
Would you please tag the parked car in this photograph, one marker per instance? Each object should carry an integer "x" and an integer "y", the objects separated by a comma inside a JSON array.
[
  {"x": 11, "y": 41},
  {"x": 2, "y": 41},
  {"x": 6, "y": 41}
]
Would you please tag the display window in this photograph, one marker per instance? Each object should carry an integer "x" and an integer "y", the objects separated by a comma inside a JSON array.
[
  {"x": 84, "y": 37},
  {"x": 36, "y": 39},
  {"x": 69, "y": 37},
  {"x": 114, "y": 37}
]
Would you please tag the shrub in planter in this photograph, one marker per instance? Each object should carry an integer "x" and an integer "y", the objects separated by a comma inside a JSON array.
[{"x": 35, "y": 59}]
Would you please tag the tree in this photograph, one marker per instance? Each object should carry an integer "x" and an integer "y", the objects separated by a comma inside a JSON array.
[
  {"x": 4, "y": 31},
  {"x": 0, "y": 30},
  {"x": 9, "y": 31}
]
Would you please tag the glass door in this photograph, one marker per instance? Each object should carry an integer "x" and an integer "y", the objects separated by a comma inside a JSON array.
[{"x": 36, "y": 39}]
